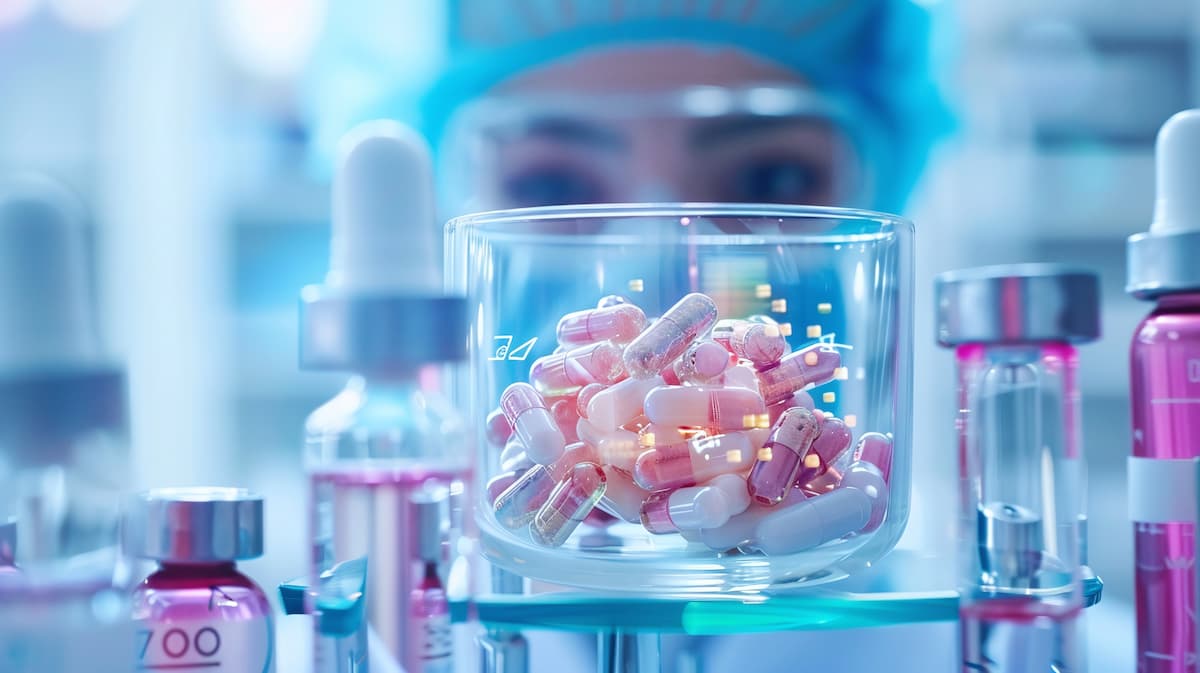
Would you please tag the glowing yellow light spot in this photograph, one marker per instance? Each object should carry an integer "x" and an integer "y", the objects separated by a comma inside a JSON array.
[
  {"x": 785, "y": 329},
  {"x": 646, "y": 439},
  {"x": 762, "y": 290},
  {"x": 764, "y": 421},
  {"x": 812, "y": 461},
  {"x": 733, "y": 456},
  {"x": 778, "y": 306},
  {"x": 771, "y": 330},
  {"x": 842, "y": 373},
  {"x": 750, "y": 421},
  {"x": 637, "y": 285},
  {"x": 825, "y": 308},
  {"x": 813, "y": 332},
  {"x": 828, "y": 398},
  {"x": 851, "y": 420},
  {"x": 811, "y": 359},
  {"x": 764, "y": 454}
]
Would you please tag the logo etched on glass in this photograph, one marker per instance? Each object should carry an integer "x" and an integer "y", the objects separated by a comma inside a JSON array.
[{"x": 505, "y": 351}]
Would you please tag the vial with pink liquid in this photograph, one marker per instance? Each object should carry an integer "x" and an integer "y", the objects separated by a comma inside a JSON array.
[
  {"x": 1014, "y": 330},
  {"x": 197, "y": 610}
]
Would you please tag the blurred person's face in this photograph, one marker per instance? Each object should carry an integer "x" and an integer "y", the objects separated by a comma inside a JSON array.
[{"x": 592, "y": 153}]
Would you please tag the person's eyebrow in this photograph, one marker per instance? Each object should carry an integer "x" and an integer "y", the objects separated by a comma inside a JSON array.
[
  {"x": 733, "y": 129},
  {"x": 571, "y": 132}
]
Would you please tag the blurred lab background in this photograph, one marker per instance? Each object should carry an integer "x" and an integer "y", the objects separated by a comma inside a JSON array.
[{"x": 198, "y": 132}]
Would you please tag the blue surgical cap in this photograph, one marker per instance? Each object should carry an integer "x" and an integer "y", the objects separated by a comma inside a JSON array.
[{"x": 873, "y": 55}]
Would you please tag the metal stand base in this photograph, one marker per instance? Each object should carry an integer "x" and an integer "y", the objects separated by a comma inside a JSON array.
[{"x": 625, "y": 652}]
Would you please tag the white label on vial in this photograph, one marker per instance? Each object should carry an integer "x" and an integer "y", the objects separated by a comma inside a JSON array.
[
  {"x": 206, "y": 645},
  {"x": 437, "y": 644}
]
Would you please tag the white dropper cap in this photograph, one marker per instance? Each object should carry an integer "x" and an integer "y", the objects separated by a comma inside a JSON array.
[
  {"x": 384, "y": 233},
  {"x": 1177, "y": 202},
  {"x": 47, "y": 315}
]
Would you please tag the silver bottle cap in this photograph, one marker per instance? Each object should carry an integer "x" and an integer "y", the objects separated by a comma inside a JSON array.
[
  {"x": 431, "y": 512},
  {"x": 196, "y": 525},
  {"x": 1010, "y": 541},
  {"x": 1018, "y": 303},
  {"x": 8, "y": 542}
]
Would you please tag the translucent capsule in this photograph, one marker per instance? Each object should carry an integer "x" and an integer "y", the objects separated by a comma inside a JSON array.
[
  {"x": 713, "y": 408},
  {"x": 531, "y": 421},
  {"x": 695, "y": 461},
  {"x": 563, "y": 374},
  {"x": 612, "y": 300},
  {"x": 733, "y": 487},
  {"x": 741, "y": 529},
  {"x": 568, "y": 505},
  {"x": 499, "y": 484},
  {"x": 669, "y": 336},
  {"x": 876, "y": 448},
  {"x": 868, "y": 478},
  {"x": 513, "y": 457},
  {"x": 813, "y": 522},
  {"x": 619, "y": 404},
  {"x": 622, "y": 497},
  {"x": 831, "y": 444},
  {"x": 779, "y": 460},
  {"x": 740, "y": 376},
  {"x": 566, "y": 415},
  {"x": 702, "y": 362},
  {"x": 497, "y": 428},
  {"x": 619, "y": 324},
  {"x": 803, "y": 369},
  {"x": 692, "y": 508},
  {"x": 760, "y": 343},
  {"x": 516, "y": 506},
  {"x": 585, "y": 396}
]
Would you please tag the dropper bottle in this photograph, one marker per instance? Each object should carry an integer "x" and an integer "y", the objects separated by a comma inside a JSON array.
[{"x": 390, "y": 433}]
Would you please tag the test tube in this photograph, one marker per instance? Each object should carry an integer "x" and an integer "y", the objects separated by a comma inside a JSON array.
[{"x": 1013, "y": 330}]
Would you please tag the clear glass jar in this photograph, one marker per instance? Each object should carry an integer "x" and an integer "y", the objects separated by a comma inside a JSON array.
[{"x": 734, "y": 363}]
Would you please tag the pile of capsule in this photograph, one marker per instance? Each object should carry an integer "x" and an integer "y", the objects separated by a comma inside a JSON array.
[{"x": 686, "y": 424}]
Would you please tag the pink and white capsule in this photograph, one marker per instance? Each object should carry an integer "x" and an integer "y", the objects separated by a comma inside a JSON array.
[
  {"x": 518, "y": 503},
  {"x": 801, "y": 370},
  {"x": 497, "y": 428},
  {"x": 813, "y": 522},
  {"x": 694, "y": 461},
  {"x": 799, "y": 398},
  {"x": 713, "y": 408},
  {"x": 562, "y": 374},
  {"x": 779, "y": 462},
  {"x": 513, "y": 457},
  {"x": 568, "y": 505},
  {"x": 702, "y": 362},
  {"x": 619, "y": 404},
  {"x": 868, "y": 478},
  {"x": 876, "y": 448},
  {"x": 532, "y": 423},
  {"x": 619, "y": 324},
  {"x": 622, "y": 497},
  {"x": 742, "y": 529},
  {"x": 741, "y": 376},
  {"x": 693, "y": 508},
  {"x": 566, "y": 415},
  {"x": 733, "y": 487},
  {"x": 759, "y": 343},
  {"x": 669, "y": 336},
  {"x": 832, "y": 442},
  {"x": 585, "y": 396}
]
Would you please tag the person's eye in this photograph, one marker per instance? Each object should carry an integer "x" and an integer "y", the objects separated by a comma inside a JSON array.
[
  {"x": 778, "y": 181},
  {"x": 552, "y": 184}
]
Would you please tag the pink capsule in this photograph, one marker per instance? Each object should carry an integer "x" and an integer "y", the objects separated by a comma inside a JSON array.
[
  {"x": 813, "y": 522},
  {"x": 868, "y": 478},
  {"x": 779, "y": 461},
  {"x": 531, "y": 421},
  {"x": 693, "y": 508},
  {"x": 619, "y": 324},
  {"x": 740, "y": 376},
  {"x": 497, "y": 428},
  {"x": 832, "y": 477},
  {"x": 733, "y": 488},
  {"x": 619, "y": 448},
  {"x": 799, "y": 398},
  {"x": 702, "y": 362},
  {"x": 619, "y": 404},
  {"x": 695, "y": 461},
  {"x": 801, "y": 370},
  {"x": 876, "y": 448},
  {"x": 832, "y": 442},
  {"x": 759, "y": 343},
  {"x": 563, "y": 374},
  {"x": 568, "y": 505},
  {"x": 516, "y": 505},
  {"x": 742, "y": 529},
  {"x": 669, "y": 336},
  {"x": 566, "y": 415},
  {"x": 715, "y": 409},
  {"x": 585, "y": 396},
  {"x": 622, "y": 497}
]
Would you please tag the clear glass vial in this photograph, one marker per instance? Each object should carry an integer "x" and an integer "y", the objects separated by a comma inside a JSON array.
[
  {"x": 1021, "y": 525},
  {"x": 197, "y": 610},
  {"x": 591, "y": 340}
]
